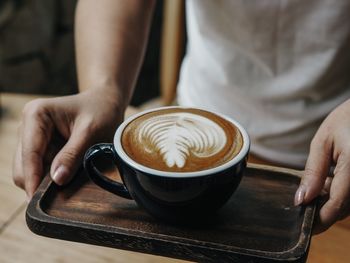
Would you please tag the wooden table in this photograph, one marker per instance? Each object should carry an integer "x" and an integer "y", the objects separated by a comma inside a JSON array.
[{"x": 18, "y": 244}]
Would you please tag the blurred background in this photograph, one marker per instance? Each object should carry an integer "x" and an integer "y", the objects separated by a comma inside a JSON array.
[{"x": 37, "y": 49}]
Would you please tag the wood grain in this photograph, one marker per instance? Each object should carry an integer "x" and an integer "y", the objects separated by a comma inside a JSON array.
[{"x": 258, "y": 222}]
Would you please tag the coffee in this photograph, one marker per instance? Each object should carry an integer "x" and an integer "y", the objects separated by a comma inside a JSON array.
[
  {"x": 181, "y": 140},
  {"x": 187, "y": 162}
]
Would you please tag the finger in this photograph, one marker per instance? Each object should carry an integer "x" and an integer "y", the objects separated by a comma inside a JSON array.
[
  {"x": 327, "y": 186},
  {"x": 338, "y": 204},
  {"x": 36, "y": 135},
  {"x": 68, "y": 160},
  {"x": 324, "y": 197},
  {"x": 18, "y": 176},
  {"x": 316, "y": 171}
]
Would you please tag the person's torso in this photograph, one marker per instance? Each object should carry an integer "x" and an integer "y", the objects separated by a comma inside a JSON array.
[{"x": 278, "y": 67}]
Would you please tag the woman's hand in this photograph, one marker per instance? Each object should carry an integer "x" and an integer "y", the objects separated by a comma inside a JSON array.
[
  {"x": 61, "y": 130},
  {"x": 330, "y": 147}
]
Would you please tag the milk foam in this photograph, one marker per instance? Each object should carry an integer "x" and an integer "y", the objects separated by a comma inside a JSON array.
[{"x": 177, "y": 135}]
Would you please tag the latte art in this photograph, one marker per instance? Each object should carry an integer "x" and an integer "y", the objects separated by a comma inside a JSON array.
[
  {"x": 177, "y": 135},
  {"x": 181, "y": 140}
]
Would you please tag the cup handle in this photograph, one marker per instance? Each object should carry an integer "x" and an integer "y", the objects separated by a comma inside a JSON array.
[{"x": 96, "y": 175}]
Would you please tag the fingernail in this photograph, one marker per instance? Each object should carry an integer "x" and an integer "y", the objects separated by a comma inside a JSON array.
[
  {"x": 299, "y": 195},
  {"x": 60, "y": 175}
]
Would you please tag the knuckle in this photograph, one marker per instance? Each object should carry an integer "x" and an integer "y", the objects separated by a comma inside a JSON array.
[
  {"x": 311, "y": 174},
  {"x": 30, "y": 154},
  {"x": 310, "y": 171},
  {"x": 70, "y": 155},
  {"x": 34, "y": 108},
  {"x": 18, "y": 180}
]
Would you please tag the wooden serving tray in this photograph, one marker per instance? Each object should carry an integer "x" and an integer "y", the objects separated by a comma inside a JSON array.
[{"x": 258, "y": 224}]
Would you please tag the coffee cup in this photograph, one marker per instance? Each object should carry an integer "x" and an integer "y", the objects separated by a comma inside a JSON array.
[{"x": 179, "y": 164}]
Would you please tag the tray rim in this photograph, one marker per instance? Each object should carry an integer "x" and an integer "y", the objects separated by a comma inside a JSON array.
[{"x": 35, "y": 215}]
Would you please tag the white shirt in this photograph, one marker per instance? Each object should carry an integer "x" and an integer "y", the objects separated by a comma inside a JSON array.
[{"x": 278, "y": 67}]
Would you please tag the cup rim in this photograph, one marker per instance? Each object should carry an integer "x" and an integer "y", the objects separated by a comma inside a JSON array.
[{"x": 125, "y": 157}]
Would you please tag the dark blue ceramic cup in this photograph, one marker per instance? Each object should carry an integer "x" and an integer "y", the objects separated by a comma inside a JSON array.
[{"x": 184, "y": 197}]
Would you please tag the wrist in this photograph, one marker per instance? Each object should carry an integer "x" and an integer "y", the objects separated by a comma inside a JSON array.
[{"x": 112, "y": 93}]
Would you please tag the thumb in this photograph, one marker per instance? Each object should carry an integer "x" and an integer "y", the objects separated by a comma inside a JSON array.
[
  {"x": 68, "y": 160},
  {"x": 316, "y": 171}
]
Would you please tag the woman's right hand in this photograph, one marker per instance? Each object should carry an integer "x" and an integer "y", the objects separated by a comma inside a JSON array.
[{"x": 59, "y": 131}]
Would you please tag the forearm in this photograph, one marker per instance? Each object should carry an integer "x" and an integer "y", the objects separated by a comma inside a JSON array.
[{"x": 110, "y": 39}]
